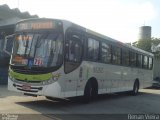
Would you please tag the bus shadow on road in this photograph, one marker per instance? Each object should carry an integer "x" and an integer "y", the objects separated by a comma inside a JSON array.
[
  {"x": 40, "y": 105},
  {"x": 45, "y": 106},
  {"x": 48, "y": 106}
]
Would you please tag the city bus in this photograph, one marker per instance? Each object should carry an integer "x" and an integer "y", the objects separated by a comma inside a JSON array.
[{"x": 60, "y": 59}]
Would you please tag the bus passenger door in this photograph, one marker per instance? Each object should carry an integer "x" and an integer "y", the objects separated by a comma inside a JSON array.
[{"x": 73, "y": 58}]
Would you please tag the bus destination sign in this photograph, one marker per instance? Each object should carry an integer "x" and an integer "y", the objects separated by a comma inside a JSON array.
[{"x": 35, "y": 25}]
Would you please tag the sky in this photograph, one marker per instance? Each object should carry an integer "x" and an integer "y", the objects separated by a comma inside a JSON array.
[{"x": 118, "y": 19}]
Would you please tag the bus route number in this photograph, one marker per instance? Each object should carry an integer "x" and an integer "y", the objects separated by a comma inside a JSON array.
[
  {"x": 38, "y": 61},
  {"x": 98, "y": 70}
]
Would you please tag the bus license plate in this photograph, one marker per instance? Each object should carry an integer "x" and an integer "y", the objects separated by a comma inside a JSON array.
[{"x": 26, "y": 87}]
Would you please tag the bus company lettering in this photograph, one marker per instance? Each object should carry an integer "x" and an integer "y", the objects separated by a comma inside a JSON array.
[{"x": 98, "y": 70}]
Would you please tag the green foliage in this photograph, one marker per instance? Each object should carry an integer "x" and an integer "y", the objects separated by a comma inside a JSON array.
[
  {"x": 146, "y": 45},
  {"x": 155, "y": 41}
]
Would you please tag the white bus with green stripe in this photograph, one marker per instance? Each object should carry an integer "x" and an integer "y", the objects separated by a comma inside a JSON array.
[{"x": 59, "y": 59}]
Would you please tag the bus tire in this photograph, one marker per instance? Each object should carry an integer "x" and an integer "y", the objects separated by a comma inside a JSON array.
[
  {"x": 95, "y": 89},
  {"x": 87, "y": 93},
  {"x": 91, "y": 91},
  {"x": 135, "y": 88}
]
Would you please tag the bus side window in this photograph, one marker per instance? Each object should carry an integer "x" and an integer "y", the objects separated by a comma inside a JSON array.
[
  {"x": 73, "y": 49},
  {"x": 125, "y": 57},
  {"x": 139, "y": 60},
  {"x": 132, "y": 59},
  {"x": 145, "y": 62},
  {"x": 116, "y": 55},
  {"x": 150, "y": 63},
  {"x": 105, "y": 52},
  {"x": 93, "y": 49}
]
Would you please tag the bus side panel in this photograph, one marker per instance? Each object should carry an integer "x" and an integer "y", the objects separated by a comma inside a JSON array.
[{"x": 148, "y": 78}]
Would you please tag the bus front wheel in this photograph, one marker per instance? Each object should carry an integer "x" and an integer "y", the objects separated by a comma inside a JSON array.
[
  {"x": 91, "y": 91},
  {"x": 135, "y": 87}
]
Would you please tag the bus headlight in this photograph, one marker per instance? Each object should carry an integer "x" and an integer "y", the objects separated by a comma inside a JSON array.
[
  {"x": 54, "y": 78},
  {"x": 47, "y": 82}
]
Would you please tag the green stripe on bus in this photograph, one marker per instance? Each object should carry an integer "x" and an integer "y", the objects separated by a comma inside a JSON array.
[{"x": 40, "y": 77}]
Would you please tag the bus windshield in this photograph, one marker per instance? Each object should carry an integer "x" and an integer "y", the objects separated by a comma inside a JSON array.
[{"x": 40, "y": 49}]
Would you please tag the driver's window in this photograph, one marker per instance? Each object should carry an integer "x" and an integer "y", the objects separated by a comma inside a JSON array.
[{"x": 73, "y": 49}]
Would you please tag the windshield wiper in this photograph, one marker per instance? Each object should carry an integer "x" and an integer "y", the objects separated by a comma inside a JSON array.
[
  {"x": 26, "y": 47},
  {"x": 31, "y": 45}
]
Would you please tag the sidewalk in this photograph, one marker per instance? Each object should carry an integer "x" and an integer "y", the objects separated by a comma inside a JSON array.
[{"x": 4, "y": 92}]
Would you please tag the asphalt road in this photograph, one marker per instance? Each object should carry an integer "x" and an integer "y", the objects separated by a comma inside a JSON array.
[{"x": 112, "y": 106}]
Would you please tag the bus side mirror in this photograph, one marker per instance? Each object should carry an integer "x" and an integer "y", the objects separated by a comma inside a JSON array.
[{"x": 8, "y": 44}]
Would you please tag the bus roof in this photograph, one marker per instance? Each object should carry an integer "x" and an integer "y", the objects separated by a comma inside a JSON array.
[{"x": 94, "y": 33}]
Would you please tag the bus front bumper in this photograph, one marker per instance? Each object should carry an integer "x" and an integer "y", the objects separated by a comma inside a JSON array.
[{"x": 52, "y": 90}]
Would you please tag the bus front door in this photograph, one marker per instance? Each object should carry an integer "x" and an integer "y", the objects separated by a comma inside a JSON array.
[{"x": 73, "y": 59}]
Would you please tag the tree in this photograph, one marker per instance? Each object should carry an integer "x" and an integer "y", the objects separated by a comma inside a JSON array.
[
  {"x": 155, "y": 41},
  {"x": 146, "y": 45}
]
